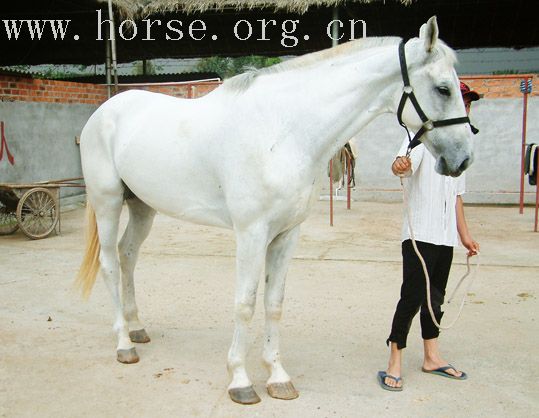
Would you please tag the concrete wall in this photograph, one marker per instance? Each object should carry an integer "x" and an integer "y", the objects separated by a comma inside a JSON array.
[
  {"x": 43, "y": 117},
  {"x": 41, "y": 138},
  {"x": 494, "y": 176}
]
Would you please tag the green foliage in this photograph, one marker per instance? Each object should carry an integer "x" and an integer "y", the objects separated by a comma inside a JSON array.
[
  {"x": 151, "y": 68},
  {"x": 506, "y": 72},
  {"x": 227, "y": 67}
]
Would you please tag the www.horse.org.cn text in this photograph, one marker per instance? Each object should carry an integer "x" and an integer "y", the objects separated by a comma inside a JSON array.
[{"x": 288, "y": 30}]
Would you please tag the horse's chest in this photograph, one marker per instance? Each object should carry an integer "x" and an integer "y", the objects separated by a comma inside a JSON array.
[{"x": 297, "y": 202}]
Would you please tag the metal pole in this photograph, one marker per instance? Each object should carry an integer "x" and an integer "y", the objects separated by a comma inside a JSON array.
[
  {"x": 335, "y": 27},
  {"x": 108, "y": 62},
  {"x": 536, "y": 190},
  {"x": 331, "y": 192},
  {"x": 113, "y": 46},
  {"x": 334, "y": 42},
  {"x": 523, "y": 150},
  {"x": 349, "y": 178}
]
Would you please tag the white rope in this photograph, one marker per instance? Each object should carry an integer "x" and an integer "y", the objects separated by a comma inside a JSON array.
[{"x": 427, "y": 278}]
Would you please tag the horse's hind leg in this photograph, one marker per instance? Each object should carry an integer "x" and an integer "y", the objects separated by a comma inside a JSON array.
[
  {"x": 140, "y": 222},
  {"x": 108, "y": 207},
  {"x": 278, "y": 258}
]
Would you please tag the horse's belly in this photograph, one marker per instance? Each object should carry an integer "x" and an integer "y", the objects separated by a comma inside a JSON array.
[
  {"x": 183, "y": 203},
  {"x": 173, "y": 183}
]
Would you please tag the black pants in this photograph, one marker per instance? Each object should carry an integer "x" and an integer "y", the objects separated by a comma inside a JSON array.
[{"x": 438, "y": 259}]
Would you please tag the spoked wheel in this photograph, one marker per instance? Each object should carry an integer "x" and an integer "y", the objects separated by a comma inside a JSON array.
[
  {"x": 8, "y": 220},
  {"x": 37, "y": 213}
]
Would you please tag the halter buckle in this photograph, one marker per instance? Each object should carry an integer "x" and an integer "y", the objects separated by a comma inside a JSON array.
[
  {"x": 428, "y": 125},
  {"x": 407, "y": 89}
]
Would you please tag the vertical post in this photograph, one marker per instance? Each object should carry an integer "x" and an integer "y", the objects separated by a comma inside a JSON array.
[
  {"x": 335, "y": 27},
  {"x": 334, "y": 42},
  {"x": 536, "y": 189},
  {"x": 108, "y": 63},
  {"x": 523, "y": 150},
  {"x": 331, "y": 192},
  {"x": 348, "y": 178},
  {"x": 113, "y": 47}
]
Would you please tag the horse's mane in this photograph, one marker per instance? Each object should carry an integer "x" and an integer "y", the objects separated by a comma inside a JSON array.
[{"x": 243, "y": 81}]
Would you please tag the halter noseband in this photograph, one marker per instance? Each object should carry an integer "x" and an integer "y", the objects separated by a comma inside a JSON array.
[{"x": 408, "y": 93}]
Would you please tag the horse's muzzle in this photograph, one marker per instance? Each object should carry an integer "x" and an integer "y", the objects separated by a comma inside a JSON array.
[{"x": 453, "y": 170}]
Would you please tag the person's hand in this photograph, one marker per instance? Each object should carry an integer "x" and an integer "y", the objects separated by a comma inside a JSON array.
[
  {"x": 401, "y": 166},
  {"x": 472, "y": 246}
]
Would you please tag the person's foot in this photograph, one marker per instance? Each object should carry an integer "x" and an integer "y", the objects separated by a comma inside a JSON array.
[
  {"x": 393, "y": 377},
  {"x": 443, "y": 367},
  {"x": 434, "y": 361},
  {"x": 395, "y": 387}
]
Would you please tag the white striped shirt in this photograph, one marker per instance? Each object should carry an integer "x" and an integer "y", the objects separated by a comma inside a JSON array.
[{"x": 432, "y": 198}]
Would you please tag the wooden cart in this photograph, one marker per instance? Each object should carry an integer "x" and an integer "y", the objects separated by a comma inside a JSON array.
[{"x": 34, "y": 207}]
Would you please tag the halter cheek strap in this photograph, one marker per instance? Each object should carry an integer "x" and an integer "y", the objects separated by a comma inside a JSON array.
[{"x": 408, "y": 93}]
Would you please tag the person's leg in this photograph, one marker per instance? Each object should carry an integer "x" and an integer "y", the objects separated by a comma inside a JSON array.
[
  {"x": 412, "y": 295},
  {"x": 440, "y": 265},
  {"x": 438, "y": 282}
]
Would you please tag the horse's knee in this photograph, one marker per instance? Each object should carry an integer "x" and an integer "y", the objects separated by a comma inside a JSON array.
[
  {"x": 274, "y": 313},
  {"x": 244, "y": 311},
  {"x": 125, "y": 256}
]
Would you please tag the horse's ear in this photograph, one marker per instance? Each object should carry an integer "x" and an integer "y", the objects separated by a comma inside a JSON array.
[{"x": 429, "y": 34}]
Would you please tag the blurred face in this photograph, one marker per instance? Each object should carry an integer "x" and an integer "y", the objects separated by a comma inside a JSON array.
[{"x": 467, "y": 105}]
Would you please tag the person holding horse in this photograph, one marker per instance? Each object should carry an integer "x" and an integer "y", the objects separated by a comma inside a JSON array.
[{"x": 437, "y": 217}]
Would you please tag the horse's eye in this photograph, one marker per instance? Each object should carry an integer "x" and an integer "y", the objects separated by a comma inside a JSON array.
[{"x": 443, "y": 90}]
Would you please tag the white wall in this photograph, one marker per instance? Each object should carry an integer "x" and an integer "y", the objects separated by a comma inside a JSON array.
[{"x": 494, "y": 177}]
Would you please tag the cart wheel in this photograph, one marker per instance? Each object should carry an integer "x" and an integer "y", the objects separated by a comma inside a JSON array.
[
  {"x": 8, "y": 220},
  {"x": 37, "y": 213}
]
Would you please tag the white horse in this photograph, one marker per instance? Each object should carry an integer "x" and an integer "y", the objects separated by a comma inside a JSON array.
[{"x": 250, "y": 156}]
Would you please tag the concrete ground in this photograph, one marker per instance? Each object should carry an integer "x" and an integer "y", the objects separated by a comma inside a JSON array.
[{"x": 57, "y": 352}]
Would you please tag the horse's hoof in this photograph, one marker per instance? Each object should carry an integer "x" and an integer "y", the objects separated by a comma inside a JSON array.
[
  {"x": 127, "y": 356},
  {"x": 245, "y": 396},
  {"x": 140, "y": 336},
  {"x": 284, "y": 391}
]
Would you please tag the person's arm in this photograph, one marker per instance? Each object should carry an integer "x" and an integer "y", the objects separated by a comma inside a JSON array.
[{"x": 462, "y": 228}]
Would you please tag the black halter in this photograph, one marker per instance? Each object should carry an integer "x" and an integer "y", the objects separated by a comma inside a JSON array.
[{"x": 408, "y": 93}]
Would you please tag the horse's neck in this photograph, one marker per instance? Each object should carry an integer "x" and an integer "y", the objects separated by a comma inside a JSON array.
[{"x": 332, "y": 103}]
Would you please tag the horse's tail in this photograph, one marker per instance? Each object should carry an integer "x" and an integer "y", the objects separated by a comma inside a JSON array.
[{"x": 90, "y": 264}]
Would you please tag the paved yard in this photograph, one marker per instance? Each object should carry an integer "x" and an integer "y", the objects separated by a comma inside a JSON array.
[{"x": 57, "y": 352}]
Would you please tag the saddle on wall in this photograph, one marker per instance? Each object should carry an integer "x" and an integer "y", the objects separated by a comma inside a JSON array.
[{"x": 530, "y": 163}]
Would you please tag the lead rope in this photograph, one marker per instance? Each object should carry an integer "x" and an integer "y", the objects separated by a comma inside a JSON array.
[{"x": 427, "y": 278}]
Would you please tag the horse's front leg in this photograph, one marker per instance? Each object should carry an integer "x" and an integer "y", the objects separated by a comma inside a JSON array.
[
  {"x": 251, "y": 248},
  {"x": 278, "y": 257}
]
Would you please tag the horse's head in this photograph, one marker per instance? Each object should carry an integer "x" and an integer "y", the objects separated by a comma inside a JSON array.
[{"x": 435, "y": 85}]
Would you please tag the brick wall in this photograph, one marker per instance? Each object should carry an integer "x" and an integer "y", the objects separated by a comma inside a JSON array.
[
  {"x": 15, "y": 88},
  {"x": 187, "y": 90},
  {"x": 497, "y": 87},
  {"x": 36, "y": 90}
]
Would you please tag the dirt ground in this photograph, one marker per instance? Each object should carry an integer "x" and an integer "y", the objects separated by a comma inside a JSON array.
[{"x": 57, "y": 352}]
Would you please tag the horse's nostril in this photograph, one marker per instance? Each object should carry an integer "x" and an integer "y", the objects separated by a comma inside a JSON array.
[
  {"x": 443, "y": 165},
  {"x": 464, "y": 165}
]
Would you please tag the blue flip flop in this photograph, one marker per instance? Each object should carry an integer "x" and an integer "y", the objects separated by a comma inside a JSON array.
[
  {"x": 382, "y": 381},
  {"x": 442, "y": 371}
]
